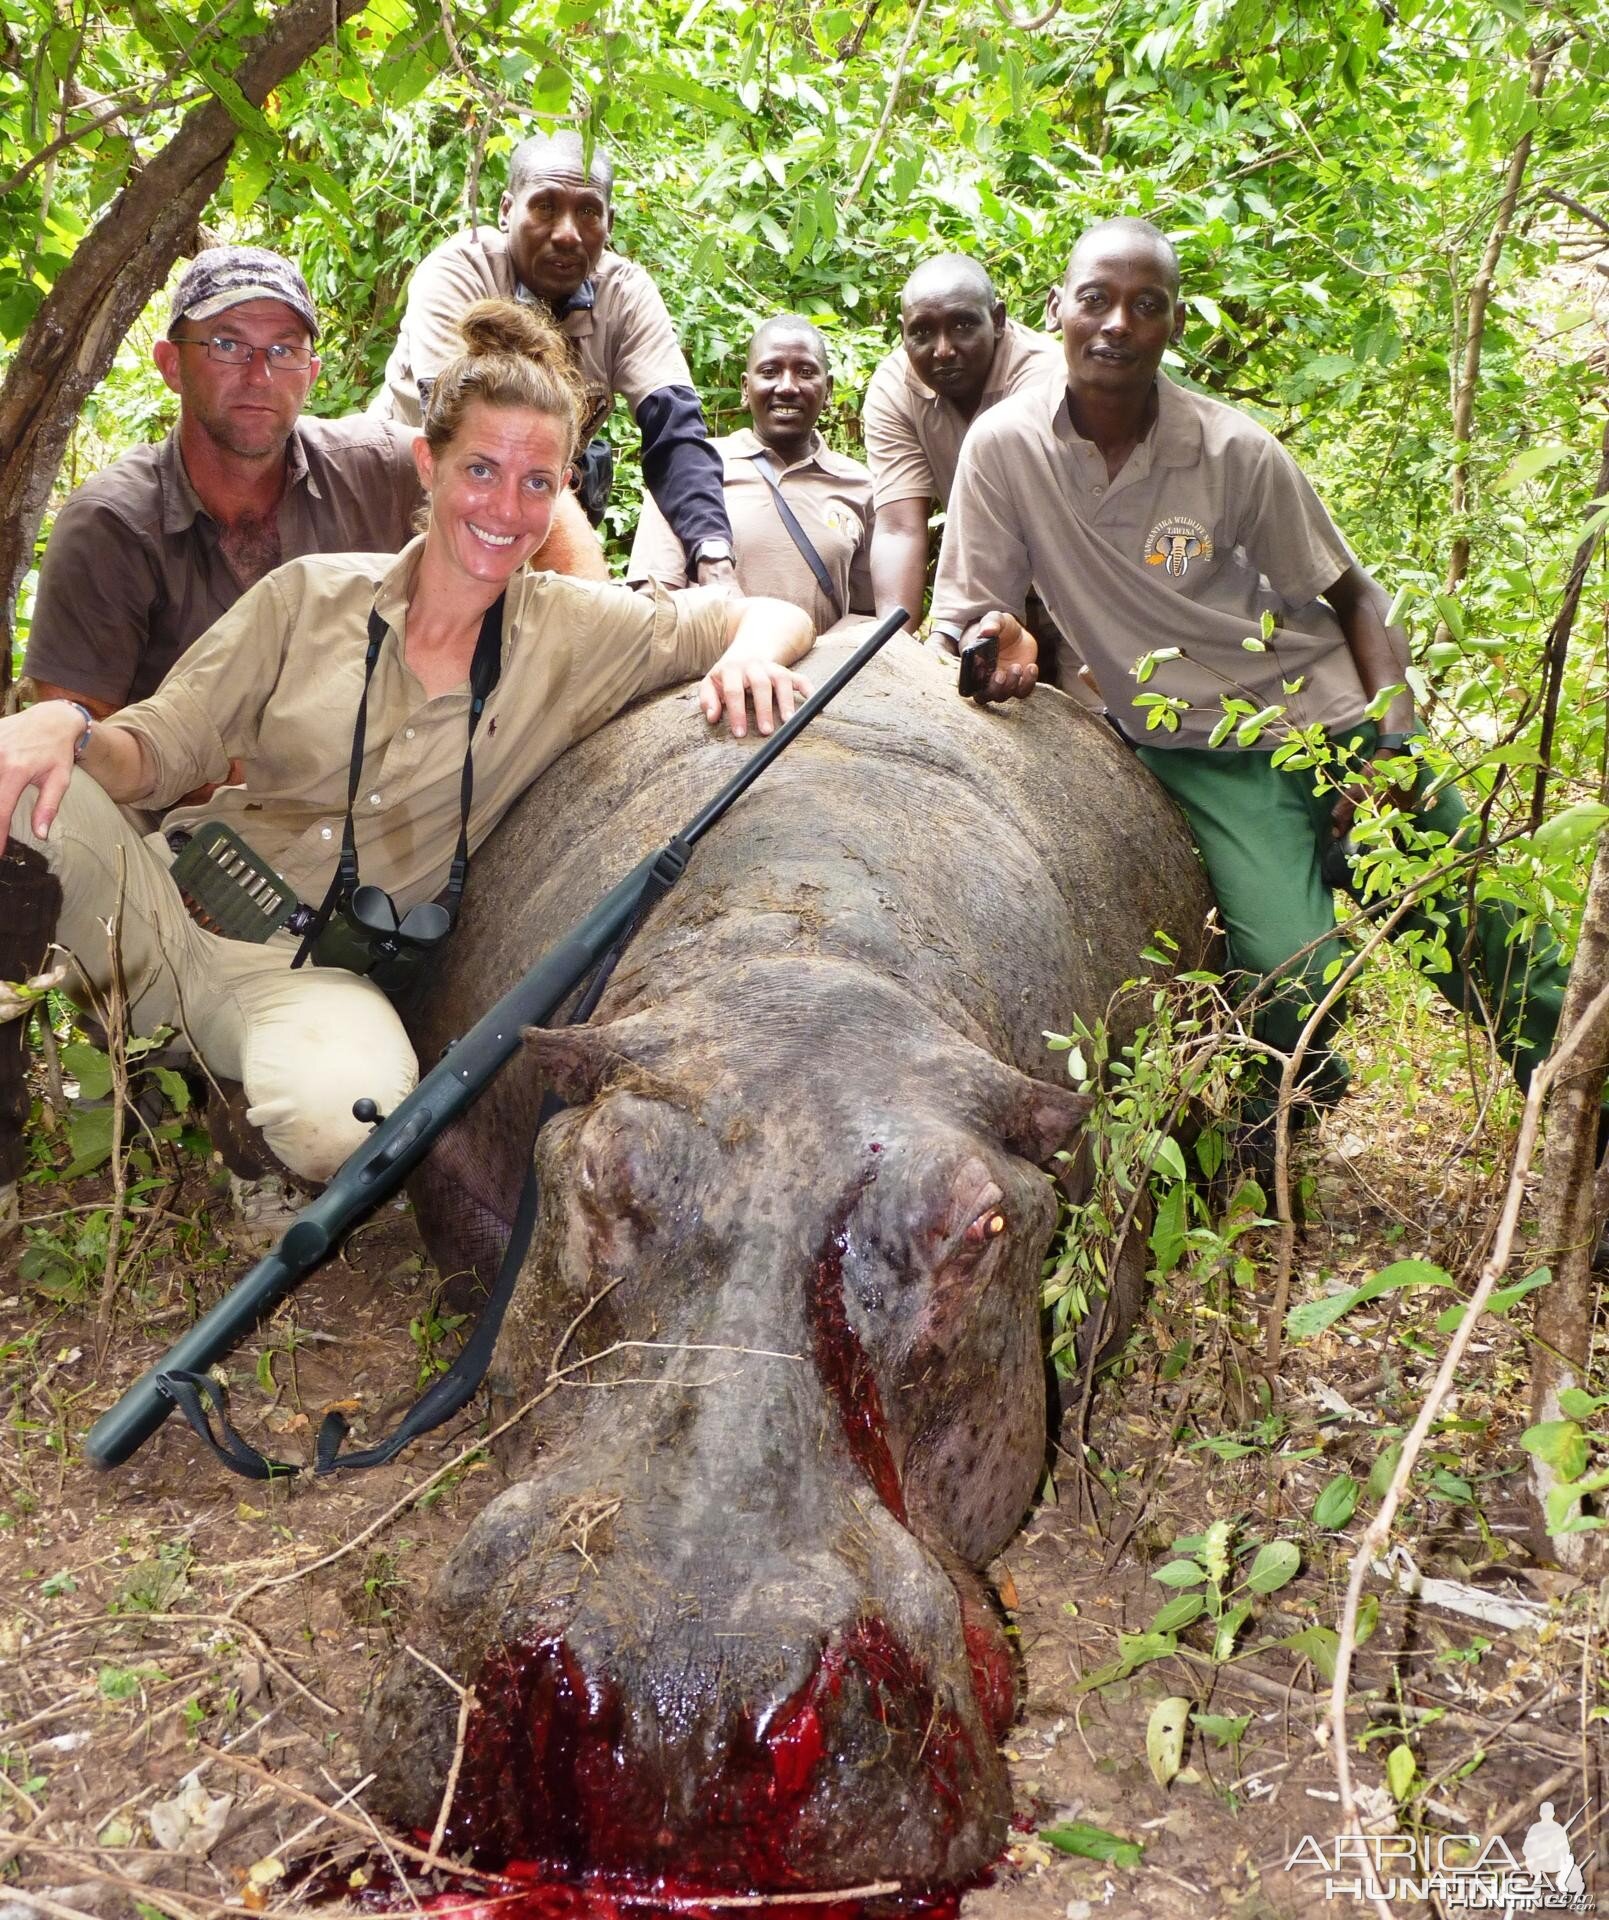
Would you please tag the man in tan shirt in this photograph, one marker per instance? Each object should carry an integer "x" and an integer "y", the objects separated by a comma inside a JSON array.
[
  {"x": 551, "y": 247},
  {"x": 1180, "y": 547},
  {"x": 145, "y": 556},
  {"x": 777, "y": 472},
  {"x": 959, "y": 355}
]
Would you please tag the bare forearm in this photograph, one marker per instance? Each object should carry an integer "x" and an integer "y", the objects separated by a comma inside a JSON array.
[
  {"x": 899, "y": 559},
  {"x": 761, "y": 629},
  {"x": 115, "y": 760},
  {"x": 1379, "y": 652}
]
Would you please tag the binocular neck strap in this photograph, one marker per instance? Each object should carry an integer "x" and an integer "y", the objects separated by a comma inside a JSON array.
[{"x": 484, "y": 670}]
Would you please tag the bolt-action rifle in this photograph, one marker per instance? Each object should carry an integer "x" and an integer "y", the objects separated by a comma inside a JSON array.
[{"x": 401, "y": 1139}]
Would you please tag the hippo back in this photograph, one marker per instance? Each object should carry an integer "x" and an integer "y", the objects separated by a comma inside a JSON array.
[{"x": 1008, "y": 865}]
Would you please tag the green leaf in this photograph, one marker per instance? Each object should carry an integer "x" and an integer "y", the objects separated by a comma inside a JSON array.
[
  {"x": 1170, "y": 1159},
  {"x": 89, "y": 1067},
  {"x": 1336, "y": 1504},
  {"x": 1318, "y": 1644},
  {"x": 1250, "y": 731},
  {"x": 1401, "y": 1768},
  {"x": 1226, "y": 1729},
  {"x": 1228, "y": 1631},
  {"x": 1526, "y": 466},
  {"x": 1450, "y": 1319},
  {"x": 1383, "y": 1471},
  {"x": 90, "y": 1137},
  {"x": 1313, "y": 1316},
  {"x": 1179, "y": 1573},
  {"x": 1451, "y": 612},
  {"x": 117, "y": 1683},
  {"x": 1277, "y": 1562},
  {"x": 1134, "y": 1650},
  {"x": 1579, "y": 1405},
  {"x": 1179, "y": 1612},
  {"x": 1164, "y": 1737},
  {"x": 1091, "y": 1843},
  {"x": 1559, "y": 1444},
  {"x": 1569, "y": 831},
  {"x": 1401, "y": 601}
]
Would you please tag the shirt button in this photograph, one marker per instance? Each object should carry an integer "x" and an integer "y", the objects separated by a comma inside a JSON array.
[
  {"x": 1098, "y": 490},
  {"x": 407, "y": 733},
  {"x": 324, "y": 833},
  {"x": 374, "y": 799}
]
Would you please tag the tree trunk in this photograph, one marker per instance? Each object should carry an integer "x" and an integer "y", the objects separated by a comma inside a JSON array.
[
  {"x": 1558, "y": 647},
  {"x": 1568, "y": 1207},
  {"x": 118, "y": 265},
  {"x": 1480, "y": 295}
]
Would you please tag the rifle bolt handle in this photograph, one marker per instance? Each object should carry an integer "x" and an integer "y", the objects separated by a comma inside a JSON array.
[{"x": 366, "y": 1112}]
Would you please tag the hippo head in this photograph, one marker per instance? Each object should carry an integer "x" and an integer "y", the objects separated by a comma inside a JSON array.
[{"x": 730, "y": 1629}]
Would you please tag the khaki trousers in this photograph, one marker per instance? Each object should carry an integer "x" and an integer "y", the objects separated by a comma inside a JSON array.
[{"x": 304, "y": 1045}]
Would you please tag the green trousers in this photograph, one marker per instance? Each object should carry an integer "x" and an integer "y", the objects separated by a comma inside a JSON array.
[{"x": 1263, "y": 832}]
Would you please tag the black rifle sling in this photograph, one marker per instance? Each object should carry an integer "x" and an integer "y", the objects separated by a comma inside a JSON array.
[
  {"x": 797, "y": 534},
  {"x": 446, "y": 1395},
  {"x": 484, "y": 669}
]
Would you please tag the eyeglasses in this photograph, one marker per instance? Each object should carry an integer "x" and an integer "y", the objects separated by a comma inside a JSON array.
[{"x": 230, "y": 352}]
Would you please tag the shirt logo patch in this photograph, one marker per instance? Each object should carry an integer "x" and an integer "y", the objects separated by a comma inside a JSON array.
[{"x": 1176, "y": 541}]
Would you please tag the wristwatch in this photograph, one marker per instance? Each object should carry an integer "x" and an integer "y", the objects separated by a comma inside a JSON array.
[
  {"x": 712, "y": 550},
  {"x": 88, "y": 719}
]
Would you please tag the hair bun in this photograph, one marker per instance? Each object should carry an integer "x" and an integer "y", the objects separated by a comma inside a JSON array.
[{"x": 505, "y": 326}]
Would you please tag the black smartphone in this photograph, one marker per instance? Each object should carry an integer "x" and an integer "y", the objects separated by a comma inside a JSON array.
[{"x": 979, "y": 658}]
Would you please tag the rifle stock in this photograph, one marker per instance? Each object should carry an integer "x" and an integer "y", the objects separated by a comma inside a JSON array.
[{"x": 402, "y": 1139}]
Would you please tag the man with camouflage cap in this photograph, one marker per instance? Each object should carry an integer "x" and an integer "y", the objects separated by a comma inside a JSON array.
[{"x": 147, "y": 554}]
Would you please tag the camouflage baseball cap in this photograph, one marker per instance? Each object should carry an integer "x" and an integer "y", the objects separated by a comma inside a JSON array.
[{"x": 222, "y": 277}]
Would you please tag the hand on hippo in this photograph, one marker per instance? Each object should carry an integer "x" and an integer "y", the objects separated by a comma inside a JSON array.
[
  {"x": 764, "y": 638},
  {"x": 731, "y": 684},
  {"x": 1016, "y": 670}
]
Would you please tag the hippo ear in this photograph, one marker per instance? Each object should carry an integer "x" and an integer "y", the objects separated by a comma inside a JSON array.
[
  {"x": 1034, "y": 1118},
  {"x": 576, "y": 1062}
]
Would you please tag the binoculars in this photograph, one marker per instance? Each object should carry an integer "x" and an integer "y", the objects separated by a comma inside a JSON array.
[{"x": 365, "y": 936}]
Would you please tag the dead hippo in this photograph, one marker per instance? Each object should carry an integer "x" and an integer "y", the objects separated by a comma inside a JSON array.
[{"x": 729, "y": 1629}]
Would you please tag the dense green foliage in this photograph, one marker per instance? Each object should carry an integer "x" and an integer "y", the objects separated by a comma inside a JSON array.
[{"x": 1333, "y": 177}]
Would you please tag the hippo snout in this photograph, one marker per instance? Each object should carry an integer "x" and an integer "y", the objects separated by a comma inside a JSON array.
[{"x": 688, "y": 1662}]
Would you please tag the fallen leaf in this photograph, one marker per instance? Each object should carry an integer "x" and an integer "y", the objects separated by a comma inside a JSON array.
[
  {"x": 1008, "y": 1591},
  {"x": 191, "y": 1822}
]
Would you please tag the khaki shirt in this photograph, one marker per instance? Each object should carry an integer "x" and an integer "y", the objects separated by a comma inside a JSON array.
[
  {"x": 276, "y": 684},
  {"x": 623, "y": 342},
  {"x": 831, "y": 498},
  {"x": 133, "y": 573},
  {"x": 1209, "y": 525},
  {"x": 913, "y": 435}
]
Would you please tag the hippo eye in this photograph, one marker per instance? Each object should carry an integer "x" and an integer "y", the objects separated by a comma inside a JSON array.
[{"x": 988, "y": 1226}]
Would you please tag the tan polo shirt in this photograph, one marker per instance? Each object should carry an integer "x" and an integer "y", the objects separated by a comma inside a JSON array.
[
  {"x": 831, "y": 498},
  {"x": 134, "y": 573},
  {"x": 623, "y": 342},
  {"x": 276, "y": 684},
  {"x": 913, "y": 435},
  {"x": 1209, "y": 524}
]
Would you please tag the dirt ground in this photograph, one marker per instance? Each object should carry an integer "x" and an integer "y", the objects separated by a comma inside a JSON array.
[{"x": 174, "y": 1638}]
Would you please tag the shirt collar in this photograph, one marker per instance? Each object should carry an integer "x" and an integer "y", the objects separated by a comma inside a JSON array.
[
  {"x": 182, "y": 505},
  {"x": 395, "y": 585},
  {"x": 745, "y": 443},
  {"x": 583, "y": 300},
  {"x": 1175, "y": 436}
]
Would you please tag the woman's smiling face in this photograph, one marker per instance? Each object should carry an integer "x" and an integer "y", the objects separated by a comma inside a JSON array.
[{"x": 493, "y": 488}]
